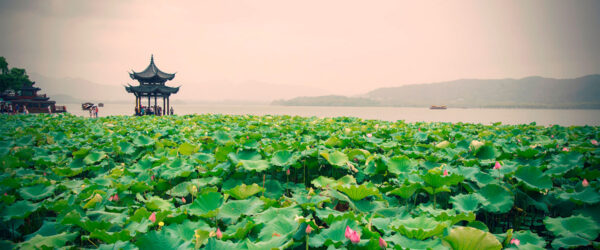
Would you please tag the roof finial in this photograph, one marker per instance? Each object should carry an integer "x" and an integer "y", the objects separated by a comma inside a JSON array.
[{"x": 151, "y": 58}]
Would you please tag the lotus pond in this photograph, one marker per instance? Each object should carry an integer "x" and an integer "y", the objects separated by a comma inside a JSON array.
[{"x": 262, "y": 182}]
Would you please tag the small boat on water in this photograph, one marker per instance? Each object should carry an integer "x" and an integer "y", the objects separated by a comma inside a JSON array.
[{"x": 438, "y": 107}]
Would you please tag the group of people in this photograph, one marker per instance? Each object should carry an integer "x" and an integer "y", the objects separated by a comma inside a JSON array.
[
  {"x": 8, "y": 108},
  {"x": 144, "y": 110},
  {"x": 93, "y": 111}
]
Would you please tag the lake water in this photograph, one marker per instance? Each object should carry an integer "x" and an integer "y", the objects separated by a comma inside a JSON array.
[{"x": 565, "y": 117}]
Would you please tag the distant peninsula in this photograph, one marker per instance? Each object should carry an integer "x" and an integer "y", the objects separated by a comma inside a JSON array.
[{"x": 529, "y": 92}]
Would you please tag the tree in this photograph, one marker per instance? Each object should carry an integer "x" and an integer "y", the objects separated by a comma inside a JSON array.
[{"x": 13, "y": 79}]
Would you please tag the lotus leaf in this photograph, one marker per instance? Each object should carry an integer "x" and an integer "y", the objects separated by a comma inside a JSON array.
[
  {"x": 254, "y": 165},
  {"x": 336, "y": 158},
  {"x": 471, "y": 238},
  {"x": 498, "y": 199},
  {"x": 40, "y": 241},
  {"x": 419, "y": 228},
  {"x": 244, "y": 191},
  {"x": 36, "y": 192},
  {"x": 206, "y": 205},
  {"x": 143, "y": 141},
  {"x": 359, "y": 192},
  {"x": 159, "y": 240},
  {"x": 533, "y": 178},
  {"x": 234, "y": 209},
  {"x": 400, "y": 164},
  {"x": 576, "y": 225}
]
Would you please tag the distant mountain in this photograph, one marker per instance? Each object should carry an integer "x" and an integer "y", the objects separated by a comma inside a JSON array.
[
  {"x": 530, "y": 92},
  {"x": 77, "y": 90},
  {"x": 330, "y": 100}
]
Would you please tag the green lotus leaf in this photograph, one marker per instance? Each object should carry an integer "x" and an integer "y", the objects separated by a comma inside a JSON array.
[
  {"x": 206, "y": 158},
  {"x": 418, "y": 228},
  {"x": 244, "y": 191},
  {"x": 117, "y": 245},
  {"x": 206, "y": 205},
  {"x": 570, "y": 242},
  {"x": 36, "y": 192},
  {"x": 180, "y": 190},
  {"x": 94, "y": 157},
  {"x": 336, "y": 158},
  {"x": 254, "y": 165},
  {"x": 323, "y": 181},
  {"x": 406, "y": 190},
  {"x": 528, "y": 237},
  {"x": 222, "y": 137},
  {"x": 157, "y": 203},
  {"x": 533, "y": 178},
  {"x": 359, "y": 192},
  {"x": 53, "y": 241},
  {"x": 437, "y": 180},
  {"x": 576, "y": 225},
  {"x": 400, "y": 164},
  {"x": 48, "y": 228},
  {"x": 186, "y": 229},
  {"x": 126, "y": 148},
  {"x": 273, "y": 243},
  {"x": 234, "y": 209},
  {"x": 498, "y": 199},
  {"x": 143, "y": 141},
  {"x": 334, "y": 235},
  {"x": 215, "y": 244},
  {"x": 251, "y": 155},
  {"x": 239, "y": 230},
  {"x": 407, "y": 243},
  {"x": 588, "y": 196},
  {"x": 159, "y": 240},
  {"x": 487, "y": 152},
  {"x": 186, "y": 149},
  {"x": 19, "y": 210},
  {"x": 471, "y": 238},
  {"x": 283, "y": 158},
  {"x": 467, "y": 202},
  {"x": 110, "y": 237},
  {"x": 272, "y": 212},
  {"x": 280, "y": 226}
]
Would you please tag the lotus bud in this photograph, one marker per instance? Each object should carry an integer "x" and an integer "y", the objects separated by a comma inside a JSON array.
[
  {"x": 552, "y": 136},
  {"x": 497, "y": 166},
  {"x": 445, "y": 172},
  {"x": 287, "y": 172},
  {"x": 110, "y": 198},
  {"x": 44, "y": 173},
  {"x": 515, "y": 241},
  {"x": 348, "y": 232},
  {"x": 152, "y": 178},
  {"x": 116, "y": 197},
  {"x": 152, "y": 217},
  {"x": 308, "y": 229},
  {"x": 369, "y": 135},
  {"x": 565, "y": 149},
  {"x": 183, "y": 199},
  {"x": 382, "y": 243},
  {"x": 594, "y": 142},
  {"x": 219, "y": 234},
  {"x": 585, "y": 183}
]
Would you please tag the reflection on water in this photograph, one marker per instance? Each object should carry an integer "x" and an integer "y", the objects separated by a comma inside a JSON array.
[{"x": 565, "y": 117}]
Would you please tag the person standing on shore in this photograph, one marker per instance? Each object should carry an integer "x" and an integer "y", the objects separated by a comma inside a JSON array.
[
  {"x": 172, "y": 112},
  {"x": 49, "y": 109}
]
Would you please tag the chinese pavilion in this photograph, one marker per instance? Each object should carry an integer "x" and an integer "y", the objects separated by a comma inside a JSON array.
[
  {"x": 152, "y": 84},
  {"x": 28, "y": 97}
]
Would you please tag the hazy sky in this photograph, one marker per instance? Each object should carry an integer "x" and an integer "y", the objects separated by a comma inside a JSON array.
[{"x": 344, "y": 47}]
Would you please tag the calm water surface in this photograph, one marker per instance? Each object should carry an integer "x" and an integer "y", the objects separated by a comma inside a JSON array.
[{"x": 565, "y": 117}]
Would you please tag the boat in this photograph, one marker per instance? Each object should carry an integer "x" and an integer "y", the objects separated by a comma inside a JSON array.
[{"x": 438, "y": 107}]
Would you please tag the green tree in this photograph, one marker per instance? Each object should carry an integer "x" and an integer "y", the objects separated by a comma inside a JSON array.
[{"x": 13, "y": 79}]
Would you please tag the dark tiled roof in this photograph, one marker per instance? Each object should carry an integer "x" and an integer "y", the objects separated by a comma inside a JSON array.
[
  {"x": 152, "y": 89},
  {"x": 151, "y": 74}
]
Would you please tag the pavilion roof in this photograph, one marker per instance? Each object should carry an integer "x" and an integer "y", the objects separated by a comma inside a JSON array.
[
  {"x": 151, "y": 74},
  {"x": 152, "y": 89}
]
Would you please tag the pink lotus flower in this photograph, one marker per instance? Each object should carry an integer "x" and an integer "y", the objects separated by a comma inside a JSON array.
[
  {"x": 152, "y": 177},
  {"x": 352, "y": 235},
  {"x": 308, "y": 229},
  {"x": 445, "y": 172},
  {"x": 519, "y": 140},
  {"x": 116, "y": 197},
  {"x": 497, "y": 166},
  {"x": 44, "y": 173},
  {"x": 110, "y": 198},
  {"x": 183, "y": 199},
  {"x": 585, "y": 183},
  {"x": 565, "y": 149},
  {"x": 369, "y": 135},
  {"x": 419, "y": 129},
  {"x": 382, "y": 243},
  {"x": 152, "y": 217},
  {"x": 552, "y": 136},
  {"x": 247, "y": 137},
  {"x": 287, "y": 172},
  {"x": 515, "y": 241},
  {"x": 219, "y": 233},
  {"x": 594, "y": 142}
]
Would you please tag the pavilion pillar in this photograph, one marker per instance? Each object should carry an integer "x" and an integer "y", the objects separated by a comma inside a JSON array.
[
  {"x": 164, "y": 105},
  {"x": 148, "y": 100},
  {"x": 155, "y": 107},
  {"x": 168, "y": 110}
]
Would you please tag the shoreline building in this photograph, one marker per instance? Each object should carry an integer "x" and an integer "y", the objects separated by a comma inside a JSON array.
[
  {"x": 27, "y": 96},
  {"x": 152, "y": 85}
]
